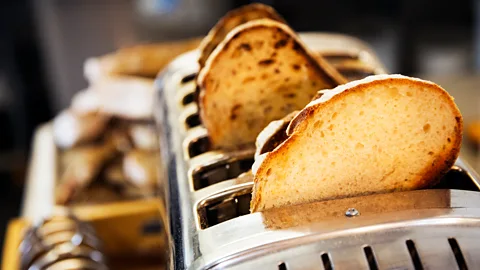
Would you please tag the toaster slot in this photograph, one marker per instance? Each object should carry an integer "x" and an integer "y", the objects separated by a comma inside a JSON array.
[
  {"x": 224, "y": 206},
  {"x": 188, "y": 98},
  {"x": 198, "y": 146},
  {"x": 188, "y": 78},
  {"x": 457, "y": 178},
  {"x": 353, "y": 74},
  {"x": 190, "y": 117},
  {"x": 192, "y": 121},
  {"x": 196, "y": 142},
  {"x": 336, "y": 57},
  {"x": 220, "y": 171}
]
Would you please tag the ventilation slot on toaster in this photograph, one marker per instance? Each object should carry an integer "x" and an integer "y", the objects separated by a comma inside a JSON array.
[
  {"x": 198, "y": 146},
  {"x": 327, "y": 263},
  {"x": 209, "y": 175},
  {"x": 462, "y": 265},
  {"x": 282, "y": 266},
  {"x": 188, "y": 98},
  {"x": 417, "y": 263},
  {"x": 213, "y": 211},
  {"x": 192, "y": 121},
  {"x": 372, "y": 261},
  {"x": 188, "y": 78}
]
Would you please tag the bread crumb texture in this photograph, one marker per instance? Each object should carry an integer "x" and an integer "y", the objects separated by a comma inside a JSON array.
[{"x": 381, "y": 134}]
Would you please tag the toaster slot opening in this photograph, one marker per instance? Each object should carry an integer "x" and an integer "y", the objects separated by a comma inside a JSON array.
[
  {"x": 457, "y": 178},
  {"x": 222, "y": 207},
  {"x": 188, "y": 98},
  {"x": 208, "y": 175},
  {"x": 335, "y": 57},
  {"x": 192, "y": 121},
  {"x": 198, "y": 146},
  {"x": 188, "y": 78}
]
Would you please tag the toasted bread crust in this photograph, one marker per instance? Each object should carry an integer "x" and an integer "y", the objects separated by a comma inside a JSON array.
[
  {"x": 208, "y": 80},
  {"x": 231, "y": 20},
  {"x": 430, "y": 174}
]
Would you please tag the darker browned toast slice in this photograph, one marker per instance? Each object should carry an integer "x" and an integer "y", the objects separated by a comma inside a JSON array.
[{"x": 261, "y": 72}]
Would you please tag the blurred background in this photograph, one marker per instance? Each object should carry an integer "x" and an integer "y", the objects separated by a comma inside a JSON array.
[{"x": 43, "y": 45}]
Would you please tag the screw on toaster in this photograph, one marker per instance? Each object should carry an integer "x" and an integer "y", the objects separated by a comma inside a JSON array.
[{"x": 352, "y": 212}]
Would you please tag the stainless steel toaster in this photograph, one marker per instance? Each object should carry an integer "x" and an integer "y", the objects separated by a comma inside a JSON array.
[{"x": 207, "y": 198}]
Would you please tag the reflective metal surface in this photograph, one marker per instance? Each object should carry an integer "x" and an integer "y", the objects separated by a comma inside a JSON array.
[
  {"x": 61, "y": 242},
  {"x": 208, "y": 205}
]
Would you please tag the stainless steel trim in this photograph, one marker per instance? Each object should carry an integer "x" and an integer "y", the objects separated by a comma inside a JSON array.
[{"x": 298, "y": 235}]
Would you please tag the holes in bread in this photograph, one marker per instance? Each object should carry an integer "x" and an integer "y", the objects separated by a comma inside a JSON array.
[
  {"x": 266, "y": 62},
  {"x": 426, "y": 128},
  {"x": 258, "y": 44},
  {"x": 228, "y": 169},
  {"x": 248, "y": 79},
  {"x": 361, "y": 113},
  {"x": 228, "y": 205},
  {"x": 409, "y": 94},
  {"x": 296, "y": 67},
  {"x": 317, "y": 125},
  {"x": 244, "y": 47},
  {"x": 267, "y": 109},
  {"x": 290, "y": 95},
  {"x": 359, "y": 146},
  {"x": 334, "y": 115},
  {"x": 281, "y": 43},
  {"x": 233, "y": 112},
  {"x": 297, "y": 47}
]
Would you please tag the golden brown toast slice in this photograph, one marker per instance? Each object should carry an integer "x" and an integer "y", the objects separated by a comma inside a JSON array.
[
  {"x": 261, "y": 72},
  {"x": 381, "y": 134},
  {"x": 231, "y": 20}
]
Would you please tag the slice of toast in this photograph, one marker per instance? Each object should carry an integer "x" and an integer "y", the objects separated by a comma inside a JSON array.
[
  {"x": 231, "y": 20},
  {"x": 261, "y": 72},
  {"x": 381, "y": 134},
  {"x": 145, "y": 60}
]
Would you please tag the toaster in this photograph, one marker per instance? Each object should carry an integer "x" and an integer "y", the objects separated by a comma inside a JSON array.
[{"x": 208, "y": 193}]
